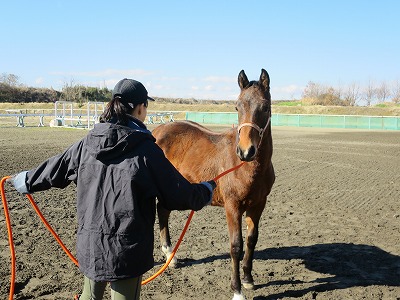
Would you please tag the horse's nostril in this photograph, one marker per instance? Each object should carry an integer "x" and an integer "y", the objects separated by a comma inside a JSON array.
[
  {"x": 251, "y": 152},
  {"x": 247, "y": 155}
]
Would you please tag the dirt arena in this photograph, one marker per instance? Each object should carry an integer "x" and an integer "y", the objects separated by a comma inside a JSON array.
[{"x": 331, "y": 228}]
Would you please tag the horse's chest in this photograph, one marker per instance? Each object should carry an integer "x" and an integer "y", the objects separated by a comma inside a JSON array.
[{"x": 243, "y": 192}]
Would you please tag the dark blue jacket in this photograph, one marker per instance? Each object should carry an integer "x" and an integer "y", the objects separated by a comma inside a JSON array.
[{"x": 119, "y": 172}]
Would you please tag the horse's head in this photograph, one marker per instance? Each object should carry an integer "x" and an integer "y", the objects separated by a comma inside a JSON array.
[{"x": 254, "y": 113}]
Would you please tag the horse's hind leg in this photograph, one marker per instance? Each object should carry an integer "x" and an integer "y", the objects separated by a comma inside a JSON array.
[
  {"x": 163, "y": 217},
  {"x": 253, "y": 215}
]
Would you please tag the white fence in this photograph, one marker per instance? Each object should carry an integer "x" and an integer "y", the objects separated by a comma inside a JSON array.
[{"x": 67, "y": 114}]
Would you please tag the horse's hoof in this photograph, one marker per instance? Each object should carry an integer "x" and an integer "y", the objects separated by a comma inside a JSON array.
[
  {"x": 174, "y": 261},
  {"x": 238, "y": 296},
  {"x": 248, "y": 285},
  {"x": 168, "y": 252}
]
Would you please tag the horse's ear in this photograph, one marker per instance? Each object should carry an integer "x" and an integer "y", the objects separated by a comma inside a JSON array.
[
  {"x": 264, "y": 79},
  {"x": 242, "y": 80}
]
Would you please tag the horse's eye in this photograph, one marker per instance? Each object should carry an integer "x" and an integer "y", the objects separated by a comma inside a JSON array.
[{"x": 236, "y": 108}]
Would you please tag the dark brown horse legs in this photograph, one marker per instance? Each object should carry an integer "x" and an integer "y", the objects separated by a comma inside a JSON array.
[
  {"x": 234, "y": 219},
  {"x": 163, "y": 216},
  {"x": 253, "y": 215}
]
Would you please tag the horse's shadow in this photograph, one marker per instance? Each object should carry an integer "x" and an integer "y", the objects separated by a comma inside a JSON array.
[{"x": 348, "y": 265}]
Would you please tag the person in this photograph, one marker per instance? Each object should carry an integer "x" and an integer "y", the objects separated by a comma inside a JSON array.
[{"x": 120, "y": 173}]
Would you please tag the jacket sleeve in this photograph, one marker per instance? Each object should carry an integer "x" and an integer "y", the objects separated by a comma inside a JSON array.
[
  {"x": 57, "y": 171},
  {"x": 174, "y": 191}
]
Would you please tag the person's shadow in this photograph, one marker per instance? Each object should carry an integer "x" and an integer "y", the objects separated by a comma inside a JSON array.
[{"x": 349, "y": 265}]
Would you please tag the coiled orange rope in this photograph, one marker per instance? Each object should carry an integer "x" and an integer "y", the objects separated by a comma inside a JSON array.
[{"x": 73, "y": 259}]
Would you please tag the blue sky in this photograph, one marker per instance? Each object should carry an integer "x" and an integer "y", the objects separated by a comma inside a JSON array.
[{"x": 196, "y": 49}]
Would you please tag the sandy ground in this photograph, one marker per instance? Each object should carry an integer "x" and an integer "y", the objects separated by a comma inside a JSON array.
[{"x": 330, "y": 229}]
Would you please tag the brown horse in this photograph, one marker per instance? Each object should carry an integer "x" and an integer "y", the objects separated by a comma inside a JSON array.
[{"x": 200, "y": 155}]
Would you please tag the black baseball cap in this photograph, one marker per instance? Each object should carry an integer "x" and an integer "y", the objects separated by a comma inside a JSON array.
[{"x": 132, "y": 92}]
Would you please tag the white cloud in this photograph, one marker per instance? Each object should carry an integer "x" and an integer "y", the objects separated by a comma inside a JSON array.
[
  {"x": 292, "y": 88},
  {"x": 232, "y": 97},
  {"x": 216, "y": 79},
  {"x": 286, "y": 92},
  {"x": 109, "y": 82},
  {"x": 158, "y": 87},
  {"x": 166, "y": 78},
  {"x": 39, "y": 80},
  {"x": 107, "y": 73}
]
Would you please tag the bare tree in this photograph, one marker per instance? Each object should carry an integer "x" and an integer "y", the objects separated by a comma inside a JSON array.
[
  {"x": 352, "y": 94},
  {"x": 369, "y": 92},
  {"x": 72, "y": 92},
  {"x": 9, "y": 79},
  {"x": 313, "y": 90},
  {"x": 383, "y": 92},
  {"x": 339, "y": 91},
  {"x": 396, "y": 92}
]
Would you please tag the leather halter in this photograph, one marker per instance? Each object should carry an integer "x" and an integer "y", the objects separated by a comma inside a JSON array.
[{"x": 256, "y": 127}]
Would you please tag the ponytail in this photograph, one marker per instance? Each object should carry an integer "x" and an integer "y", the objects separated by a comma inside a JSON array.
[{"x": 115, "y": 109}]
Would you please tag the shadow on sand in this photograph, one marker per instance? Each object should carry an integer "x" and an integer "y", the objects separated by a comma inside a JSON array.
[{"x": 349, "y": 265}]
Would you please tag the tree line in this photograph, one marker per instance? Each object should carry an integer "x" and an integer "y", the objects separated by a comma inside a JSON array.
[
  {"x": 11, "y": 90},
  {"x": 351, "y": 95}
]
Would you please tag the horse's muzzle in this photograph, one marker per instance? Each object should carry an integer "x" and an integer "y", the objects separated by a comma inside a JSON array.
[{"x": 246, "y": 155}]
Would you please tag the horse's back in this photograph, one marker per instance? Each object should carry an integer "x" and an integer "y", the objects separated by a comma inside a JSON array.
[
  {"x": 186, "y": 133},
  {"x": 190, "y": 146},
  {"x": 180, "y": 127}
]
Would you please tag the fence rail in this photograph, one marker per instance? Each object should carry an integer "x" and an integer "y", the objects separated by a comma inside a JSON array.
[
  {"x": 296, "y": 120},
  {"x": 77, "y": 118},
  {"x": 300, "y": 120}
]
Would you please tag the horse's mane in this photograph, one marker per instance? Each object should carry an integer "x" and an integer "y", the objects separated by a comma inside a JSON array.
[
  {"x": 251, "y": 83},
  {"x": 202, "y": 128}
]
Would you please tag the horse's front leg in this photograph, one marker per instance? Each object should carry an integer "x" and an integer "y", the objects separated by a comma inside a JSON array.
[
  {"x": 234, "y": 220},
  {"x": 163, "y": 217},
  {"x": 253, "y": 215}
]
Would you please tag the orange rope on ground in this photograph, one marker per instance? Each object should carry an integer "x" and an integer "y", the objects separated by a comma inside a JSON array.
[
  {"x": 73, "y": 259},
  {"x": 48, "y": 226},
  {"x": 10, "y": 237}
]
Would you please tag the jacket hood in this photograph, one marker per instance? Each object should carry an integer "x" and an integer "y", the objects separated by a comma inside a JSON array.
[{"x": 107, "y": 141}]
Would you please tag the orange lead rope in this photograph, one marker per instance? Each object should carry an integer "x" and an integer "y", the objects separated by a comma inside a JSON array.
[
  {"x": 10, "y": 237},
  {"x": 48, "y": 226},
  {"x": 162, "y": 269},
  {"x": 230, "y": 170}
]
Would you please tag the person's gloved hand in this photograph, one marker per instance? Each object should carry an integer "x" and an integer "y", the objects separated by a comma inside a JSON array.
[
  {"x": 18, "y": 181},
  {"x": 211, "y": 185}
]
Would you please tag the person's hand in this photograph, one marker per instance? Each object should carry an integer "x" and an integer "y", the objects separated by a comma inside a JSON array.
[
  {"x": 211, "y": 185},
  {"x": 18, "y": 181}
]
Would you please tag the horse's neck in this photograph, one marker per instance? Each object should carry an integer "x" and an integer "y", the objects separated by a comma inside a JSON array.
[{"x": 263, "y": 159}]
